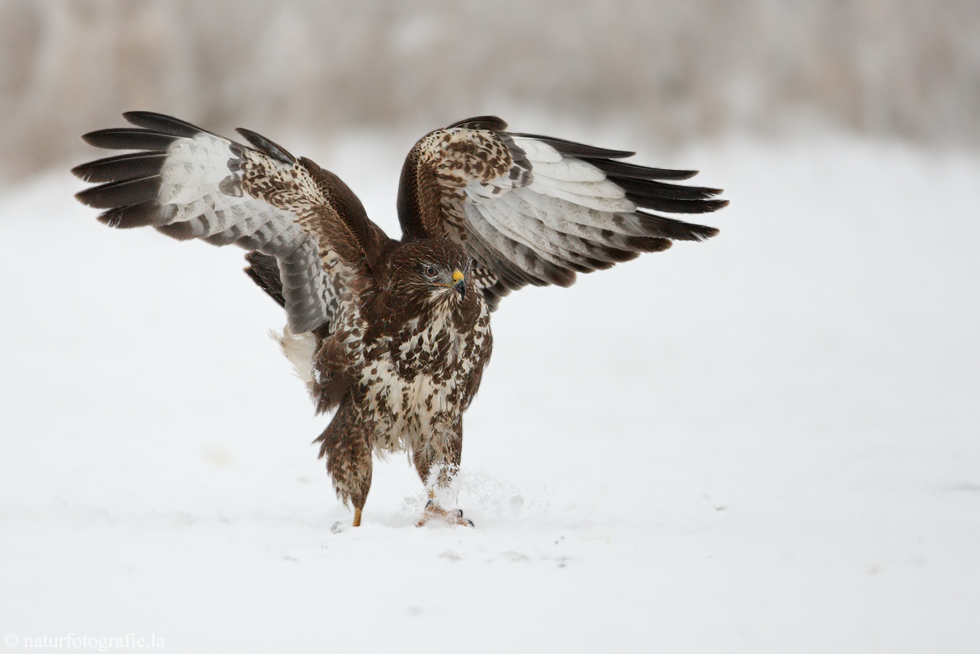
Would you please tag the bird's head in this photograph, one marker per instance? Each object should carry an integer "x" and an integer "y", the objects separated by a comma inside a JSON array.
[{"x": 431, "y": 271}]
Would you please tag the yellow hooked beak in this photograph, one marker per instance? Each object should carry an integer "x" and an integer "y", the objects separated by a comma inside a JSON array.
[{"x": 459, "y": 282}]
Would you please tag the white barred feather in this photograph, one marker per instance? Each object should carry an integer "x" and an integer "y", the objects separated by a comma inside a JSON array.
[
  {"x": 537, "y": 151},
  {"x": 558, "y": 209},
  {"x": 569, "y": 170}
]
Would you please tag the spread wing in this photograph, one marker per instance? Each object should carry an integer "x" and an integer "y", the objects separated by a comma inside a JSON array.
[
  {"x": 188, "y": 183},
  {"x": 537, "y": 210}
]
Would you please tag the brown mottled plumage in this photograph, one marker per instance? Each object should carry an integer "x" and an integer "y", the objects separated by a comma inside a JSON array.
[{"x": 394, "y": 335}]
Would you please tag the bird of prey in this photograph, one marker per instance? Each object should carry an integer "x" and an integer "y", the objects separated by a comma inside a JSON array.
[{"x": 393, "y": 335}]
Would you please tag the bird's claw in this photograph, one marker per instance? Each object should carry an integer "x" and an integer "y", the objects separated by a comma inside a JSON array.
[{"x": 434, "y": 512}]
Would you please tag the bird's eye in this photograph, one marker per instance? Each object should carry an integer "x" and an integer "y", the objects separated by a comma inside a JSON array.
[{"x": 430, "y": 271}]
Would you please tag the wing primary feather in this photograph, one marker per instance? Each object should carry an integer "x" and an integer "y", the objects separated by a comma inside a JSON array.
[
  {"x": 579, "y": 150},
  {"x": 674, "y": 229},
  {"x": 162, "y": 123},
  {"x": 659, "y": 190},
  {"x": 621, "y": 169},
  {"x": 128, "y": 138},
  {"x": 120, "y": 194},
  {"x": 121, "y": 168},
  {"x": 266, "y": 146},
  {"x": 676, "y": 206}
]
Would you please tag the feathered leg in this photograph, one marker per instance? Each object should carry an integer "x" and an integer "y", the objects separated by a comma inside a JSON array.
[
  {"x": 437, "y": 463},
  {"x": 348, "y": 454}
]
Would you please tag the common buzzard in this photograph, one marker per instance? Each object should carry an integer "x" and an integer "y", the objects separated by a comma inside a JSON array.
[{"x": 394, "y": 335}]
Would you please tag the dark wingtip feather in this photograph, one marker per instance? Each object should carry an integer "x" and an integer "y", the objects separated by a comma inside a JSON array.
[
  {"x": 649, "y": 243},
  {"x": 120, "y": 194},
  {"x": 678, "y": 230},
  {"x": 648, "y": 188},
  {"x": 621, "y": 169},
  {"x": 263, "y": 144},
  {"x": 558, "y": 276},
  {"x": 162, "y": 123},
  {"x": 128, "y": 138},
  {"x": 81, "y": 171},
  {"x": 264, "y": 271},
  {"x": 144, "y": 214},
  {"x": 121, "y": 168},
  {"x": 579, "y": 150},
  {"x": 676, "y": 206},
  {"x": 481, "y": 122}
]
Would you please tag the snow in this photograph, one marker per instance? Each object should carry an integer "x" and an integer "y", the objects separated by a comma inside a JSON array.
[{"x": 766, "y": 443}]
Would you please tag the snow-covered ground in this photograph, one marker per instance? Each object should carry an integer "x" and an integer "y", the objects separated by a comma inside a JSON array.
[{"x": 769, "y": 442}]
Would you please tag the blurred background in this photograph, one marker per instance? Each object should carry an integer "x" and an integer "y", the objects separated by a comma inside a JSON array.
[
  {"x": 768, "y": 442},
  {"x": 673, "y": 70}
]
